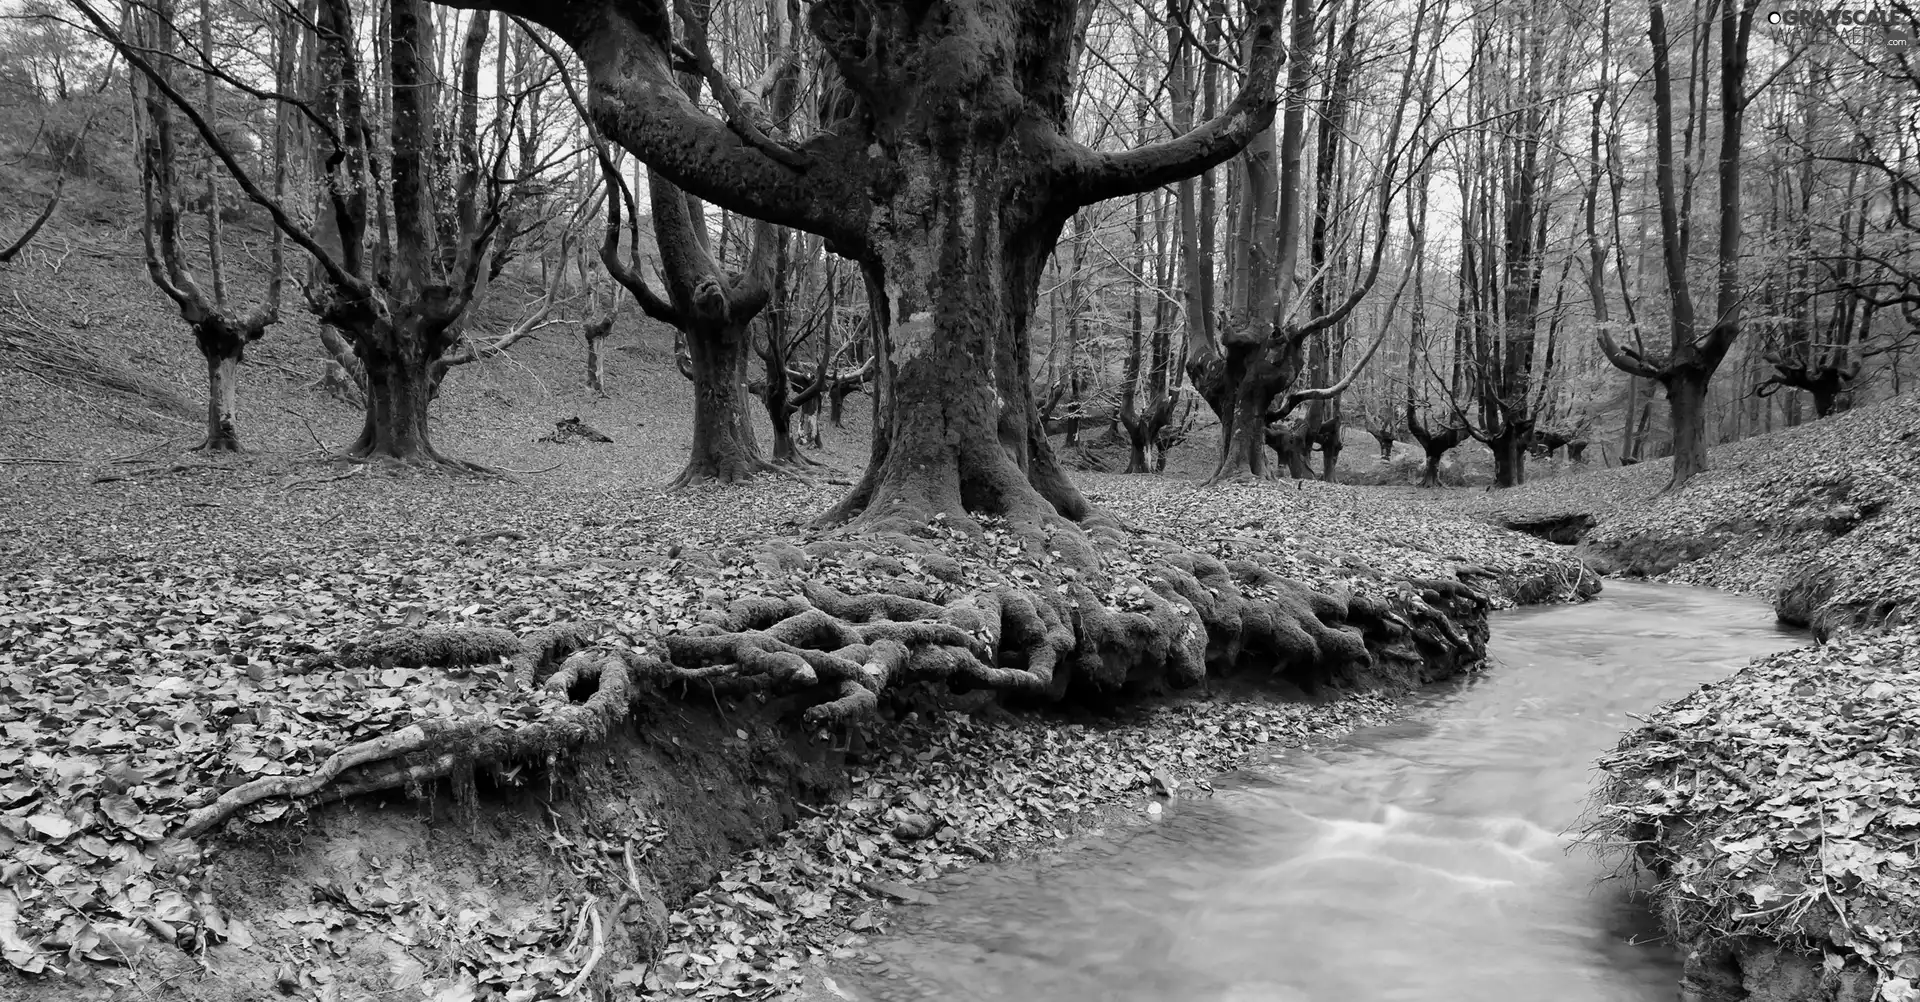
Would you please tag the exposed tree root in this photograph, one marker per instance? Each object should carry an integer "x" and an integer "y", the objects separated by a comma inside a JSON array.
[
  {"x": 436, "y": 748},
  {"x": 698, "y": 474},
  {"x": 1038, "y": 611}
]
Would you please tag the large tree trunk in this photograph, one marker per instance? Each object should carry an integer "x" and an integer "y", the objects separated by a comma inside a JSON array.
[
  {"x": 399, "y": 391},
  {"x": 1252, "y": 381},
  {"x": 723, "y": 447},
  {"x": 1509, "y": 455},
  {"x": 223, "y": 344},
  {"x": 960, "y": 433},
  {"x": 1687, "y": 408}
]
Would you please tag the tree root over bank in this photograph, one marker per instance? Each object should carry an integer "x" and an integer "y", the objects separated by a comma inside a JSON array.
[{"x": 1006, "y": 616}]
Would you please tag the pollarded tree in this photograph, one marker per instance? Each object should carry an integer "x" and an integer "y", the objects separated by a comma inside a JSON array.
[
  {"x": 948, "y": 172},
  {"x": 221, "y": 333},
  {"x": 1697, "y": 343},
  {"x": 1250, "y": 377},
  {"x": 383, "y": 277},
  {"x": 711, "y": 307}
]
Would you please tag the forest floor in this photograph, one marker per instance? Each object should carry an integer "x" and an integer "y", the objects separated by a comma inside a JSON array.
[
  {"x": 159, "y": 606},
  {"x": 156, "y": 630},
  {"x": 1820, "y": 519},
  {"x": 159, "y": 612}
]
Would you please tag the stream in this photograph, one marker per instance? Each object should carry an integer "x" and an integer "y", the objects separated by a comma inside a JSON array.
[{"x": 1418, "y": 860}]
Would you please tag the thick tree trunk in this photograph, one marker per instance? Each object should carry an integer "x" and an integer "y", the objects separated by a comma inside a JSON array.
[
  {"x": 1249, "y": 382},
  {"x": 1687, "y": 412},
  {"x": 723, "y": 447},
  {"x": 222, "y": 433},
  {"x": 1509, "y": 455},
  {"x": 1430, "y": 476},
  {"x": 960, "y": 256},
  {"x": 399, "y": 391}
]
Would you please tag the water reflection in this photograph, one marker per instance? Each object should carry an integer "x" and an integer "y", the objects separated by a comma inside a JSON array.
[{"x": 1421, "y": 860}]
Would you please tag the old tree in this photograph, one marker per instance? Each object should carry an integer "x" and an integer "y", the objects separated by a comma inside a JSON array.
[{"x": 945, "y": 168}]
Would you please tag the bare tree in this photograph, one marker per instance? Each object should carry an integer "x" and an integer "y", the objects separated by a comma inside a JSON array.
[
  {"x": 221, "y": 332},
  {"x": 1697, "y": 344},
  {"x": 1251, "y": 378},
  {"x": 955, "y": 232},
  {"x": 381, "y": 277},
  {"x": 711, "y": 308}
]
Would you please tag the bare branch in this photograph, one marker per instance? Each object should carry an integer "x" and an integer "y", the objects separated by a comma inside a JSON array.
[{"x": 1092, "y": 176}]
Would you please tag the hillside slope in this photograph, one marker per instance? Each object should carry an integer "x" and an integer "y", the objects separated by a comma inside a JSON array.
[{"x": 125, "y": 375}]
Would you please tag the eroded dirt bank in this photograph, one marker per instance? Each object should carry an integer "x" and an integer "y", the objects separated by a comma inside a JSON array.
[{"x": 157, "y": 667}]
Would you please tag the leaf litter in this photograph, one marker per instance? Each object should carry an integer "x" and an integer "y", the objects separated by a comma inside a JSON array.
[{"x": 153, "y": 655}]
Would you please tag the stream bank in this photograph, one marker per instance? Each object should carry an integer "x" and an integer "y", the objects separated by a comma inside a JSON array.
[
  {"x": 701, "y": 827},
  {"x": 1420, "y": 858},
  {"x": 1776, "y": 811}
]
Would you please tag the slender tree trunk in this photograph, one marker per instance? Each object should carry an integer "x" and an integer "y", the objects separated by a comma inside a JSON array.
[{"x": 595, "y": 332}]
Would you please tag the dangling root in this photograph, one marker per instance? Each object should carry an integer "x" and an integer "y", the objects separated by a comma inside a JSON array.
[{"x": 433, "y": 749}]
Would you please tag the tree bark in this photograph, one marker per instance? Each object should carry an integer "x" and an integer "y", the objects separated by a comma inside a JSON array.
[
  {"x": 399, "y": 390},
  {"x": 723, "y": 450},
  {"x": 222, "y": 433},
  {"x": 1510, "y": 453},
  {"x": 594, "y": 332},
  {"x": 1687, "y": 403},
  {"x": 223, "y": 344}
]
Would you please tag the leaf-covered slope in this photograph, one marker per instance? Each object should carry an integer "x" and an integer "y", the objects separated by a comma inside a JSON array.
[
  {"x": 1782, "y": 805},
  {"x": 1825, "y": 517}
]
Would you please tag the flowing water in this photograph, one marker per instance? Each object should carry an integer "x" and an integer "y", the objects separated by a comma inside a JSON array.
[{"x": 1421, "y": 860}]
